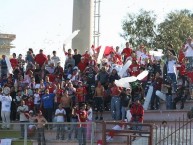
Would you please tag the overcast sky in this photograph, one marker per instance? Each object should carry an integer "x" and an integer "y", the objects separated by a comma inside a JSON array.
[{"x": 46, "y": 23}]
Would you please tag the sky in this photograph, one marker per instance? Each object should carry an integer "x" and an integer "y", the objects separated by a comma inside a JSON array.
[{"x": 46, "y": 23}]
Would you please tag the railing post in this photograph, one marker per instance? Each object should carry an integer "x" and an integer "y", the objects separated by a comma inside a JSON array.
[
  {"x": 104, "y": 133},
  {"x": 25, "y": 133},
  {"x": 151, "y": 135},
  {"x": 171, "y": 135},
  {"x": 190, "y": 131},
  {"x": 179, "y": 132},
  {"x": 92, "y": 133}
]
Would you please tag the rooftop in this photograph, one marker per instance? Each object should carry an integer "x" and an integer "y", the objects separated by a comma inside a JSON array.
[{"x": 7, "y": 36}]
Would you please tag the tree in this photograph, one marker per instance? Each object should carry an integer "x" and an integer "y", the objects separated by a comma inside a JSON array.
[
  {"x": 175, "y": 29},
  {"x": 140, "y": 29}
]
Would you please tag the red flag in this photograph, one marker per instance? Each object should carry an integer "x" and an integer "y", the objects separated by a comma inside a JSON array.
[
  {"x": 108, "y": 50},
  {"x": 119, "y": 59},
  {"x": 97, "y": 49}
]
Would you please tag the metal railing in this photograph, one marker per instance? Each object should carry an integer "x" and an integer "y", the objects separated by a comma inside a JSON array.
[
  {"x": 178, "y": 133},
  {"x": 50, "y": 131},
  {"x": 146, "y": 132}
]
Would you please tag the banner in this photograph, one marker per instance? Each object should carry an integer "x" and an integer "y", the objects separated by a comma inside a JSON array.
[
  {"x": 69, "y": 38},
  {"x": 100, "y": 56},
  {"x": 5, "y": 141},
  {"x": 125, "y": 67},
  {"x": 9, "y": 67}
]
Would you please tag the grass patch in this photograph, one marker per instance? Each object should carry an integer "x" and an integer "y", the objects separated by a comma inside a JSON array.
[
  {"x": 21, "y": 142},
  {"x": 9, "y": 134},
  {"x": 13, "y": 134}
]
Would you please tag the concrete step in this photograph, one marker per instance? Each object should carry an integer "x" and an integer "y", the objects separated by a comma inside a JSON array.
[
  {"x": 75, "y": 143},
  {"x": 167, "y": 115},
  {"x": 187, "y": 105},
  {"x": 157, "y": 115}
]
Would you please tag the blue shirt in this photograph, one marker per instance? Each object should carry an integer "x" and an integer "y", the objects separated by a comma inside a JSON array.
[{"x": 48, "y": 100}]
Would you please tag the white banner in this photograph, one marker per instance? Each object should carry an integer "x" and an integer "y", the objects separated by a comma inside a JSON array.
[
  {"x": 125, "y": 67},
  {"x": 5, "y": 141},
  {"x": 9, "y": 67}
]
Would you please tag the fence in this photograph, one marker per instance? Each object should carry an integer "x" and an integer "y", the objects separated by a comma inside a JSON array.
[
  {"x": 26, "y": 134},
  {"x": 128, "y": 134},
  {"x": 179, "y": 133}
]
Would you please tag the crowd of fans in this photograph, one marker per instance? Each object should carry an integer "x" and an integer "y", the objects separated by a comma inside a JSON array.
[{"x": 40, "y": 82}]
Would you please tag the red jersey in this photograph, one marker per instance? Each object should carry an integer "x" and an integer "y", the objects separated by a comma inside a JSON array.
[
  {"x": 182, "y": 69},
  {"x": 119, "y": 59},
  {"x": 30, "y": 104},
  {"x": 92, "y": 62},
  {"x": 82, "y": 117},
  {"x": 87, "y": 57},
  {"x": 82, "y": 66},
  {"x": 181, "y": 56},
  {"x": 115, "y": 91},
  {"x": 190, "y": 75},
  {"x": 58, "y": 93},
  {"x": 51, "y": 88},
  {"x": 51, "y": 77},
  {"x": 137, "y": 112},
  {"x": 40, "y": 59},
  {"x": 13, "y": 62},
  {"x": 134, "y": 70},
  {"x": 127, "y": 52},
  {"x": 80, "y": 94}
]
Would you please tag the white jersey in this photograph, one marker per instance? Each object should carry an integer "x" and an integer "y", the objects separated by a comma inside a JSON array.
[
  {"x": 22, "y": 110},
  {"x": 189, "y": 51},
  {"x": 6, "y": 103},
  {"x": 36, "y": 98},
  {"x": 60, "y": 118},
  {"x": 90, "y": 113}
]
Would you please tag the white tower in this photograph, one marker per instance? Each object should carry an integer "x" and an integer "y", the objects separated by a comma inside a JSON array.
[{"x": 83, "y": 16}]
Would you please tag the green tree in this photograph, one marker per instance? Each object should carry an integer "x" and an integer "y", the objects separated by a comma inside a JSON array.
[
  {"x": 140, "y": 29},
  {"x": 175, "y": 29}
]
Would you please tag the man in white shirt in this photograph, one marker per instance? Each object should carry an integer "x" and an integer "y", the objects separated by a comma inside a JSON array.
[
  {"x": 188, "y": 51},
  {"x": 171, "y": 71},
  {"x": 60, "y": 117},
  {"x": 89, "y": 120},
  {"x": 55, "y": 58},
  {"x": 23, "y": 118},
  {"x": 144, "y": 57},
  {"x": 5, "y": 108}
]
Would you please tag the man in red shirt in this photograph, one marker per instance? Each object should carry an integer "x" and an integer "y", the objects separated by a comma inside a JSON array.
[
  {"x": 127, "y": 51},
  {"x": 82, "y": 117},
  {"x": 80, "y": 93},
  {"x": 14, "y": 61},
  {"x": 134, "y": 68},
  {"x": 137, "y": 113},
  {"x": 86, "y": 56},
  {"x": 82, "y": 64},
  {"x": 115, "y": 102},
  {"x": 181, "y": 54},
  {"x": 41, "y": 58}
]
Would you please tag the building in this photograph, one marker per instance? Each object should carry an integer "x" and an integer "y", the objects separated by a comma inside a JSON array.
[{"x": 5, "y": 43}]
